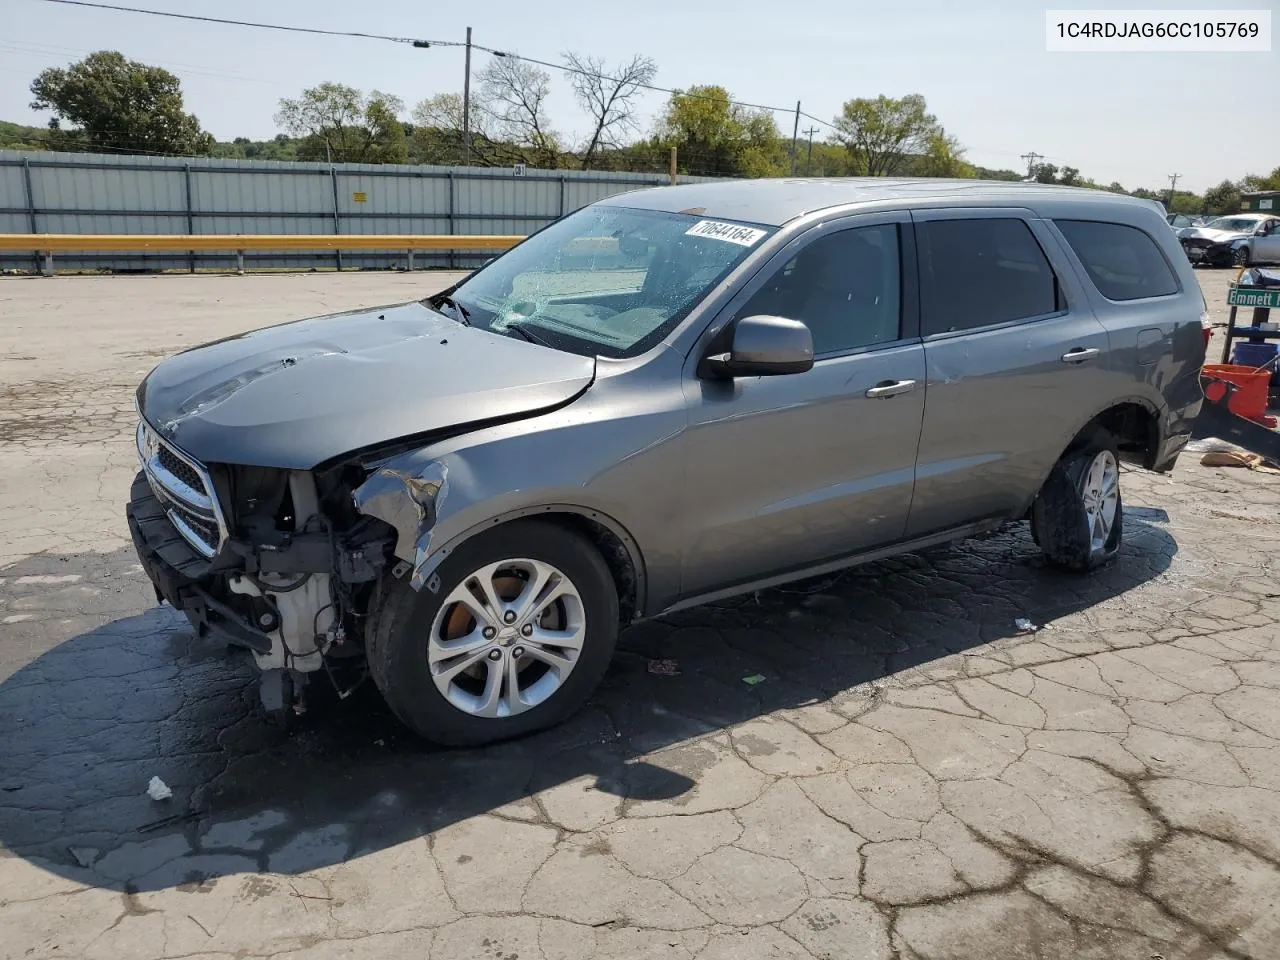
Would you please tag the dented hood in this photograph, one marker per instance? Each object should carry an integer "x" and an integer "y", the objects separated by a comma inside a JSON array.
[
  {"x": 296, "y": 395},
  {"x": 1213, "y": 236}
]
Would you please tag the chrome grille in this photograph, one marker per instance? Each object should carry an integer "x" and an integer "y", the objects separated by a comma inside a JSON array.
[{"x": 184, "y": 490}]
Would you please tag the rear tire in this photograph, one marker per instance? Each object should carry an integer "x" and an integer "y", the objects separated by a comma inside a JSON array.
[
  {"x": 1078, "y": 516},
  {"x": 486, "y": 657}
]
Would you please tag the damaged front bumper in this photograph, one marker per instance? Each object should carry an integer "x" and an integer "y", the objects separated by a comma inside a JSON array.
[{"x": 181, "y": 576}]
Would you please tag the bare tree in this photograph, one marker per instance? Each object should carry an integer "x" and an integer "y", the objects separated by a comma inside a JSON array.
[
  {"x": 608, "y": 97},
  {"x": 513, "y": 96}
]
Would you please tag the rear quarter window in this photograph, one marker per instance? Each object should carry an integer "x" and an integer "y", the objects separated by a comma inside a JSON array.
[{"x": 1123, "y": 262}]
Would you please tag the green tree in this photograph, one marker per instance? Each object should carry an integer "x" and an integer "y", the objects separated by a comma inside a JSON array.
[
  {"x": 1222, "y": 199},
  {"x": 882, "y": 134},
  {"x": 715, "y": 137},
  {"x": 341, "y": 124},
  {"x": 986, "y": 173},
  {"x": 117, "y": 104},
  {"x": 943, "y": 157}
]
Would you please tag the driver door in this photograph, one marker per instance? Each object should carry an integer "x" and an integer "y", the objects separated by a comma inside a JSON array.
[{"x": 786, "y": 472}]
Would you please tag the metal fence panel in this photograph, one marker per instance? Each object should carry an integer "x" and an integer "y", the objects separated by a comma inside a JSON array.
[{"x": 90, "y": 193}]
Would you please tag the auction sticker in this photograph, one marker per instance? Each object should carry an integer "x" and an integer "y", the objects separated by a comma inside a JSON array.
[{"x": 729, "y": 232}]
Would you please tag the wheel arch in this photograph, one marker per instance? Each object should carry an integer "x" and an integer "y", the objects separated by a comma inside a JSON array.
[
  {"x": 1133, "y": 421},
  {"x": 617, "y": 546}
]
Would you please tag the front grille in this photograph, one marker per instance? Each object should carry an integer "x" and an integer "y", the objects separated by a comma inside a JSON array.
[
  {"x": 179, "y": 468},
  {"x": 183, "y": 489}
]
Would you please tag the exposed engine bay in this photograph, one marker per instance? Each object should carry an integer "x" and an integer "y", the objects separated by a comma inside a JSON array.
[{"x": 282, "y": 563}]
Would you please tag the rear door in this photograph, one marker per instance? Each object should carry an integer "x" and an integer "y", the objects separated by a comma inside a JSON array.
[
  {"x": 1014, "y": 358},
  {"x": 1266, "y": 249},
  {"x": 789, "y": 471}
]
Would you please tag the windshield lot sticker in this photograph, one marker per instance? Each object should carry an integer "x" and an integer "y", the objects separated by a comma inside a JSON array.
[{"x": 729, "y": 232}]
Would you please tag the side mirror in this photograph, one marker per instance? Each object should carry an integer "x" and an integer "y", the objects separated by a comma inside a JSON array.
[{"x": 762, "y": 346}]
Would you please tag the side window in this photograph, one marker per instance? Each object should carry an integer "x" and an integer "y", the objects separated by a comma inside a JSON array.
[
  {"x": 846, "y": 287},
  {"x": 1123, "y": 262},
  {"x": 975, "y": 273}
]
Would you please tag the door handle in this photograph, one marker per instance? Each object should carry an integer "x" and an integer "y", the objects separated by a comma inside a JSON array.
[
  {"x": 891, "y": 388},
  {"x": 1080, "y": 354}
]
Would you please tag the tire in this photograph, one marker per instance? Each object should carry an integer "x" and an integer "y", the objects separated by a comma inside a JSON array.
[
  {"x": 1060, "y": 516},
  {"x": 1240, "y": 257},
  {"x": 411, "y": 657}
]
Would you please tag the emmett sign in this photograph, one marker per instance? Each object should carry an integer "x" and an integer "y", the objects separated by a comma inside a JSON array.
[{"x": 1253, "y": 297}]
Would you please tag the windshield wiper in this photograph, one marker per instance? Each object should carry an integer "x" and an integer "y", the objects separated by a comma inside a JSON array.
[
  {"x": 527, "y": 334},
  {"x": 461, "y": 313}
]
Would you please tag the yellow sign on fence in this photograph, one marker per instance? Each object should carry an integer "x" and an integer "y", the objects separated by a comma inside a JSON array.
[{"x": 359, "y": 196}]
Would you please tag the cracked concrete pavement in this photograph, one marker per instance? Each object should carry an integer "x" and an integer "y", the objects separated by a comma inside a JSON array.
[{"x": 915, "y": 778}]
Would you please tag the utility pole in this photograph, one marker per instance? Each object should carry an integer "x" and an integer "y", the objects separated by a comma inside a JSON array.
[
  {"x": 808, "y": 163},
  {"x": 466, "y": 107},
  {"x": 795, "y": 133},
  {"x": 1032, "y": 159},
  {"x": 1173, "y": 186}
]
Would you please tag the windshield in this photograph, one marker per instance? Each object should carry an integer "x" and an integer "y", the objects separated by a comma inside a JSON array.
[
  {"x": 605, "y": 280},
  {"x": 1233, "y": 224}
]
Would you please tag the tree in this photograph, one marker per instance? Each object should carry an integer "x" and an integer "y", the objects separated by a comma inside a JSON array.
[
  {"x": 943, "y": 157},
  {"x": 1222, "y": 199},
  {"x": 1070, "y": 177},
  {"x": 1045, "y": 173},
  {"x": 513, "y": 99},
  {"x": 343, "y": 125},
  {"x": 715, "y": 137},
  {"x": 881, "y": 134},
  {"x": 609, "y": 98},
  {"x": 117, "y": 104},
  {"x": 437, "y": 134}
]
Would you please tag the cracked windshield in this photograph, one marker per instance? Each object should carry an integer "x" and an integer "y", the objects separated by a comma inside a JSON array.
[{"x": 606, "y": 280}]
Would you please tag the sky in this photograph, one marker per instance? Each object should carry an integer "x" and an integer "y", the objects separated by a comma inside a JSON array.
[{"x": 982, "y": 67}]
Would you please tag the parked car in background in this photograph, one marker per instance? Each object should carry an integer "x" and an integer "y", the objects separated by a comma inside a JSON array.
[
  {"x": 1237, "y": 240},
  {"x": 664, "y": 398},
  {"x": 1180, "y": 221}
]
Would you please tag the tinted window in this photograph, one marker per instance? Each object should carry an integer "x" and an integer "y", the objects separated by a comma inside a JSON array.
[
  {"x": 979, "y": 272},
  {"x": 1123, "y": 262},
  {"x": 844, "y": 287}
]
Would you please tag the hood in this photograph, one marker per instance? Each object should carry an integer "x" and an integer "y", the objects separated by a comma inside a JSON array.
[
  {"x": 1213, "y": 236},
  {"x": 296, "y": 395}
]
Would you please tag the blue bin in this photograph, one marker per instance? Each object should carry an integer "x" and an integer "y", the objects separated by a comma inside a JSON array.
[{"x": 1256, "y": 355}]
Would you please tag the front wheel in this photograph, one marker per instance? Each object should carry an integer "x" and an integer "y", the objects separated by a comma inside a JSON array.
[
  {"x": 1078, "y": 516},
  {"x": 1240, "y": 257},
  {"x": 516, "y": 636}
]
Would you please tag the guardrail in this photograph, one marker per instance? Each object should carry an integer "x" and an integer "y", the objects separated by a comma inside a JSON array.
[{"x": 51, "y": 243}]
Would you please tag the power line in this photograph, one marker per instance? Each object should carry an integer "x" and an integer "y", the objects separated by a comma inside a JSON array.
[
  {"x": 431, "y": 43},
  {"x": 262, "y": 26}
]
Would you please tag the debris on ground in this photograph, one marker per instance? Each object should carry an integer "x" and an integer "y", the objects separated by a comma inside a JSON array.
[
  {"x": 157, "y": 789},
  {"x": 1025, "y": 626},
  {"x": 754, "y": 679},
  {"x": 664, "y": 668},
  {"x": 1240, "y": 458}
]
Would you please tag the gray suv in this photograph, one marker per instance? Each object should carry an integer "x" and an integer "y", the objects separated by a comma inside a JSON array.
[{"x": 666, "y": 397}]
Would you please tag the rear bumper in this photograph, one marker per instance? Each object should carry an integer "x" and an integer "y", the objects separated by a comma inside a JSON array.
[{"x": 183, "y": 578}]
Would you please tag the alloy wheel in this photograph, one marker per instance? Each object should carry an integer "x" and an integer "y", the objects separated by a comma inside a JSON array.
[
  {"x": 506, "y": 638},
  {"x": 1100, "y": 494}
]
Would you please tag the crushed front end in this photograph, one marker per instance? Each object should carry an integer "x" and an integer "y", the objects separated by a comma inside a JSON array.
[{"x": 277, "y": 561}]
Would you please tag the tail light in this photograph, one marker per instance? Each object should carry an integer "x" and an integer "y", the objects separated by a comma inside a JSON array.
[{"x": 1206, "y": 326}]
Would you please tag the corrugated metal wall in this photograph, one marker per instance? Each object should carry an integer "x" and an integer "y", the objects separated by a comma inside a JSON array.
[{"x": 90, "y": 193}]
